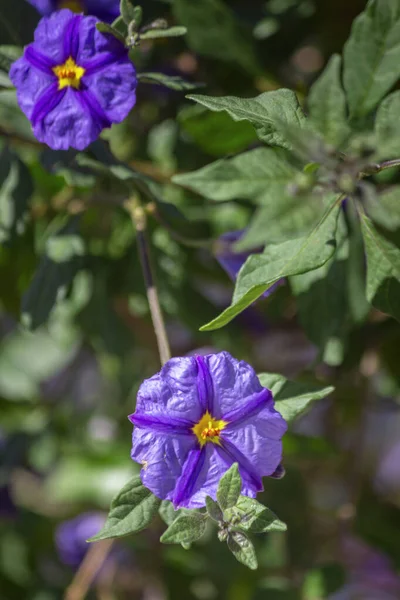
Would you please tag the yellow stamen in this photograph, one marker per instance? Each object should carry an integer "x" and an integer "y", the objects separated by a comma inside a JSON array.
[
  {"x": 208, "y": 429},
  {"x": 69, "y": 74},
  {"x": 73, "y": 5}
]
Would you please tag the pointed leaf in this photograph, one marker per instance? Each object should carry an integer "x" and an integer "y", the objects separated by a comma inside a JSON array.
[
  {"x": 171, "y": 82},
  {"x": 106, "y": 28},
  {"x": 153, "y": 34},
  {"x": 372, "y": 56},
  {"x": 264, "y": 112},
  {"x": 383, "y": 270},
  {"x": 387, "y": 127},
  {"x": 327, "y": 104},
  {"x": 127, "y": 11},
  {"x": 186, "y": 529},
  {"x": 16, "y": 188},
  {"x": 281, "y": 260},
  {"x": 242, "y": 549},
  {"x": 214, "y": 510},
  {"x": 168, "y": 513},
  {"x": 256, "y": 517},
  {"x": 229, "y": 487},
  {"x": 9, "y": 54},
  {"x": 292, "y": 397},
  {"x": 131, "y": 511}
]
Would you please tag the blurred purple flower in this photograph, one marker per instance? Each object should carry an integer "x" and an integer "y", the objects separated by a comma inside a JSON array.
[
  {"x": 7, "y": 506},
  {"x": 371, "y": 575},
  {"x": 232, "y": 261},
  {"x": 198, "y": 416},
  {"x": 71, "y": 536},
  {"x": 73, "y": 81},
  {"x": 105, "y": 10}
]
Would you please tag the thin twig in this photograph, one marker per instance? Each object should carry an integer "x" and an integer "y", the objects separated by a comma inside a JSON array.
[
  {"x": 378, "y": 167},
  {"x": 138, "y": 216},
  {"x": 89, "y": 567}
]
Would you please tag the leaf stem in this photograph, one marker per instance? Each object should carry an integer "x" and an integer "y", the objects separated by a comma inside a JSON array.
[
  {"x": 139, "y": 220},
  {"x": 378, "y": 167},
  {"x": 90, "y": 566}
]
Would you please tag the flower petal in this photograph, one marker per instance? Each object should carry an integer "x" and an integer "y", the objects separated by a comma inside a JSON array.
[
  {"x": 68, "y": 124},
  {"x": 71, "y": 37},
  {"x": 105, "y": 10},
  {"x": 97, "y": 48},
  {"x": 30, "y": 84},
  {"x": 252, "y": 405},
  {"x": 38, "y": 60},
  {"x": 50, "y": 34},
  {"x": 162, "y": 457},
  {"x": 166, "y": 424},
  {"x": 47, "y": 102}
]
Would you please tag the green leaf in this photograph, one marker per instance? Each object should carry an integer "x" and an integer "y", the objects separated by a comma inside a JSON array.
[
  {"x": 168, "y": 513},
  {"x": 383, "y": 270},
  {"x": 387, "y": 127},
  {"x": 9, "y": 54},
  {"x": 153, "y": 34},
  {"x": 132, "y": 510},
  {"x": 242, "y": 549},
  {"x": 384, "y": 208},
  {"x": 256, "y": 517},
  {"x": 281, "y": 260},
  {"x": 214, "y": 510},
  {"x": 214, "y": 31},
  {"x": 106, "y": 28},
  {"x": 327, "y": 104},
  {"x": 372, "y": 56},
  {"x": 186, "y": 529},
  {"x": 216, "y": 133},
  {"x": 229, "y": 487},
  {"x": 292, "y": 397},
  {"x": 127, "y": 10},
  {"x": 192, "y": 233},
  {"x": 16, "y": 188},
  {"x": 263, "y": 171},
  {"x": 265, "y": 112},
  {"x": 12, "y": 119},
  {"x": 172, "y": 82}
]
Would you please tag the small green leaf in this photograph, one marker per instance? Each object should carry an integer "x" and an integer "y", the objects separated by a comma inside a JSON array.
[
  {"x": 127, "y": 10},
  {"x": 214, "y": 510},
  {"x": 131, "y": 511},
  {"x": 186, "y": 529},
  {"x": 383, "y": 270},
  {"x": 384, "y": 208},
  {"x": 292, "y": 397},
  {"x": 265, "y": 112},
  {"x": 256, "y": 517},
  {"x": 327, "y": 104},
  {"x": 168, "y": 513},
  {"x": 387, "y": 127},
  {"x": 172, "y": 82},
  {"x": 106, "y": 28},
  {"x": 242, "y": 549},
  {"x": 153, "y": 34},
  {"x": 372, "y": 56},
  {"x": 281, "y": 260},
  {"x": 263, "y": 172},
  {"x": 9, "y": 54},
  {"x": 229, "y": 487},
  {"x": 16, "y": 188}
]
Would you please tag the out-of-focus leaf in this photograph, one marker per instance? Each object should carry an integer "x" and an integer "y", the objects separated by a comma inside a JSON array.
[
  {"x": 263, "y": 171},
  {"x": 256, "y": 517},
  {"x": 172, "y": 82},
  {"x": 187, "y": 528},
  {"x": 387, "y": 127},
  {"x": 292, "y": 397},
  {"x": 372, "y": 56},
  {"x": 229, "y": 487},
  {"x": 265, "y": 112},
  {"x": 327, "y": 104},
  {"x": 242, "y": 549},
  {"x": 64, "y": 163},
  {"x": 383, "y": 270},
  {"x": 190, "y": 232},
  {"x": 214, "y": 31},
  {"x": 12, "y": 119},
  {"x": 8, "y": 55},
  {"x": 16, "y": 188},
  {"x": 384, "y": 207},
  {"x": 153, "y": 34},
  {"x": 132, "y": 510},
  {"x": 215, "y": 132},
  {"x": 281, "y": 260}
]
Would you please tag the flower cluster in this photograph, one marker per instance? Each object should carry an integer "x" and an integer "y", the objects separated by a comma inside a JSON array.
[
  {"x": 73, "y": 81},
  {"x": 197, "y": 417}
]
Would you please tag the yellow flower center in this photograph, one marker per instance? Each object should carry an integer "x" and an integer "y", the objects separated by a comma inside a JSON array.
[
  {"x": 73, "y": 5},
  {"x": 69, "y": 74},
  {"x": 208, "y": 429}
]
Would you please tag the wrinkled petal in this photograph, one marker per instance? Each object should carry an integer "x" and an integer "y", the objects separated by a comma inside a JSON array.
[
  {"x": 114, "y": 88},
  {"x": 259, "y": 439},
  {"x": 50, "y": 33},
  {"x": 251, "y": 406},
  {"x": 30, "y": 84},
  {"x": 68, "y": 125},
  {"x": 200, "y": 477},
  {"x": 71, "y": 38},
  {"x": 38, "y": 60},
  {"x": 45, "y": 7},
  {"x": 96, "y": 47},
  {"x": 165, "y": 424},
  {"x": 162, "y": 457}
]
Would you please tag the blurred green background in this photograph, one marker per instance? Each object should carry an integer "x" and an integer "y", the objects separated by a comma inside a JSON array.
[{"x": 67, "y": 387}]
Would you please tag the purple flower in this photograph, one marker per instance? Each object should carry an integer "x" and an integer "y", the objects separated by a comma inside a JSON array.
[
  {"x": 72, "y": 535},
  {"x": 73, "y": 81},
  {"x": 105, "y": 10},
  {"x": 232, "y": 261},
  {"x": 198, "y": 416}
]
